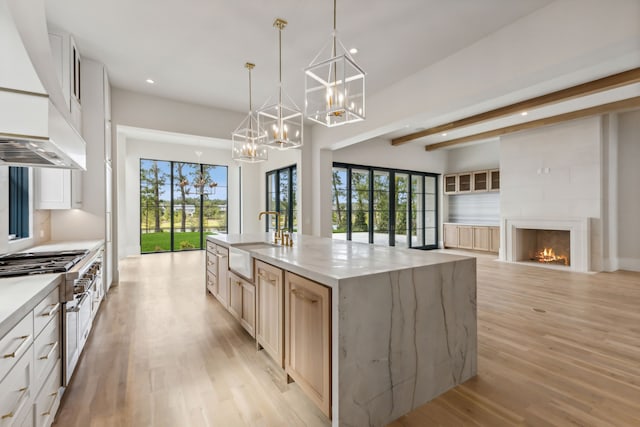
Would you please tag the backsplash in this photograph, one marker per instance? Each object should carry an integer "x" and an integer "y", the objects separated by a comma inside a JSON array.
[{"x": 475, "y": 208}]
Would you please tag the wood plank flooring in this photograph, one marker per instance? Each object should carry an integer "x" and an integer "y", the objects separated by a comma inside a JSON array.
[{"x": 555, "y": 349}]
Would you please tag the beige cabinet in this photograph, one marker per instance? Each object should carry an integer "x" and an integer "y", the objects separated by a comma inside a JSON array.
[
  {"x": 235, "y": 295},
  {"x": 464, "y": 182},
  {"x": 211, "y": 269},
  {"x": 494, "y": 239},
  {"x": 248, "y": 314},
  {"x": 308, "y": 338},
  {"x": 270, "y": 310},
  {"x": 481, "y": 238},
  {"x": 476, "y": 237},
  {"x": 450, "y": 235},
  {"x": 217, "y": 272},
  {"x": 465, "y": 237},
  {"x": 450, "y": 184},
  {"x": 481, "y": 181},
  {"x": 494, "y": 180}
]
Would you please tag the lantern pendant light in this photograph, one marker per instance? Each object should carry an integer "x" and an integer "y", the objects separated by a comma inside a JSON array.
[
  {"x": 334, "y": 87},
  {"x": 248, "y": 139},
  {"x": 283, "y": 123}
]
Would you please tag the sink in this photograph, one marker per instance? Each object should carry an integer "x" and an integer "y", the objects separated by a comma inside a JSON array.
[{"x": 240, "y": 259}]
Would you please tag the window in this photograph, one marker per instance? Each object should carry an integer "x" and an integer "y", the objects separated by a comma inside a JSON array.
[
  {"x": 282, "y": 198},
  {"x": 180, "y": 203},
  {"x": 18, "y": 203},
  {"x": 384, "y": 206}
]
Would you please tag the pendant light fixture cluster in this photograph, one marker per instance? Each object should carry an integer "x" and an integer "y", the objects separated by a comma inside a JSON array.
[{"x": 334, "y": 95}]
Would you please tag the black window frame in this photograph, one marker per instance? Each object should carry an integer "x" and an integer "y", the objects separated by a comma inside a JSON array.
[
  {"x": 290, "y": 170},
  {"x": 203, "y": 238},
  {"x": 392, "y": 208}
]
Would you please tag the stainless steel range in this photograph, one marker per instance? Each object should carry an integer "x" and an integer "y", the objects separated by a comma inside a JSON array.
[{"x": 80, "y": 294}]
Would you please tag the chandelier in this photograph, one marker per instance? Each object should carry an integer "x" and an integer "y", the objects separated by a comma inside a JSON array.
[
  {"x": 282, "y": 123},
  {"x": 248, "y": 139},
  {"x": 334, "y": 87}
]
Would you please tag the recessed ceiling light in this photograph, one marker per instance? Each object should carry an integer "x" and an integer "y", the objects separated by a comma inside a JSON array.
[
  {"x": 444, "y": 134},
  {"x": 353, "y": 51},
  {"x": 150, "y": 81},
  {"x": 524, "y": 113}
]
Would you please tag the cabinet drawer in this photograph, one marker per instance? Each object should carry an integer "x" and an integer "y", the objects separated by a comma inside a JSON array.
[
  {"x": 212, "y": 263},
  {"x": 15, "y": 344},
  {"x": 211, "y": 283},
  {"x": 47, "y": 309},
  {"x": 48, "y": 400},
  {"x": 211, "y": 247},
  {"x": 17, "y": 391},
  {"x": 46, "y": 350}
]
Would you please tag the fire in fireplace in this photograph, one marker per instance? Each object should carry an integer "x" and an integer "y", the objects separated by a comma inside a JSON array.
[
  {"x": 545, "y": 246},
  {"x": 548, "y": 256}
]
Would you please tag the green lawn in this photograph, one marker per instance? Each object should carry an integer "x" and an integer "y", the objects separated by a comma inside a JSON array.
[{"x": 157, "y": 242}]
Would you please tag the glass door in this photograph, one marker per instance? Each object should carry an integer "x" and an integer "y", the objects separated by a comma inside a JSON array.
[
  {"x": 359, "y": 205},
  {"x": 431, "y": 212},
  {"x": 381, "y": 207}
]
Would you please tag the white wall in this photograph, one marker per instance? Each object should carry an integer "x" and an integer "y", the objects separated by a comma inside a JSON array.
[
  {"x": 628, "y": 175},
  {"x": 555, "y": 172},
  {"x": 481, "y": 156}
]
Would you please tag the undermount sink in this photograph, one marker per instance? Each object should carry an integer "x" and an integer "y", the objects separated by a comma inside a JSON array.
[{"x": 240, "y": 259}]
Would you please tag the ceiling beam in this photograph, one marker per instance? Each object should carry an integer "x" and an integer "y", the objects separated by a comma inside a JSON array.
[
  {"x": 625, "y": 104},
  {"x": 606, "y": 83}
]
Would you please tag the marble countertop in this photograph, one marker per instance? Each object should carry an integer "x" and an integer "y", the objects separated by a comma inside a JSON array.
[
  {"x": 477, "y": 224},
  {"x": 19, "y": 295},
  {"x": 328, "y": 261}
]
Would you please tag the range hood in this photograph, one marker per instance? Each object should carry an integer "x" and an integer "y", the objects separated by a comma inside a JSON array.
[
  {"x": 62, "y": 148},
  {"x": 33, "y": 131}
]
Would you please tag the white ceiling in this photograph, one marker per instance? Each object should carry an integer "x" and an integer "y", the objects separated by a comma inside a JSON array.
[{"x": 195, "y": 49}]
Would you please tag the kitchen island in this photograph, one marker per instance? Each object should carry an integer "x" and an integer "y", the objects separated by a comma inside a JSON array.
[{"x": 402, "y": 322}]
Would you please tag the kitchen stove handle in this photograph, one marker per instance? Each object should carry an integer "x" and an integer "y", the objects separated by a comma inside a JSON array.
[
  {"x": 53, "y": 402},
  {"x": 23, "y": 393},
  {"x": 52, "y": 311},
  {"x": 25, "y": 340},
  {"x": 53, "y": 345},
  {"x": 78, "y": 304}
]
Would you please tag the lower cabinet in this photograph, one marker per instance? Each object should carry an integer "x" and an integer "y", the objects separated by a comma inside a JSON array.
[
  {"x": 48, "y": 399},
  {"x": 308, "y": 338},
  {"x": 270, "y": 310},
  {"x": 242, "y": 302},
  {"x": 222, "y": 255},
  {"x": 476, "y": 237}
]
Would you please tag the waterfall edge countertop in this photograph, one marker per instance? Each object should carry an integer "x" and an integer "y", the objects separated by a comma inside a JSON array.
[
  {"x": 328, "y": 261},
  {"x": 21, "y": 294}
]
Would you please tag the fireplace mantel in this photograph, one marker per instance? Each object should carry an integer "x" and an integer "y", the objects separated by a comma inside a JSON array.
[{"x": 578, "y": 228}]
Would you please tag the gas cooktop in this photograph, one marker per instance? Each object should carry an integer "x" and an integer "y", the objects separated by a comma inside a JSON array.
[{"x": 25, "y": 263}]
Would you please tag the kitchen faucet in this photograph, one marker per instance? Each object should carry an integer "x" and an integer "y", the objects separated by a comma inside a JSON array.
[{"x": 277, "y": 237}]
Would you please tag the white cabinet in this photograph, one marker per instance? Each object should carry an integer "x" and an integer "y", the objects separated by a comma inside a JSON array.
[
  {"x": 58, "y": 188},
  {"x": 67, "y": 62}
]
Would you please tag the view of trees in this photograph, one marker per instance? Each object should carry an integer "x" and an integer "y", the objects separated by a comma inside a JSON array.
[
  {"x": 369, "y": 196},
  {"x": 281, "y": 186},
  {"x": 157, "y": 215}
]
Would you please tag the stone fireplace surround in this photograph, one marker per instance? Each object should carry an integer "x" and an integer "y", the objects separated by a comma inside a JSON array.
[{"x": 579, "y": 238}]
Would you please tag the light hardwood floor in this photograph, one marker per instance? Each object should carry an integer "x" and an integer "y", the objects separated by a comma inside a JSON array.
[{"x": 555, "y": 349}]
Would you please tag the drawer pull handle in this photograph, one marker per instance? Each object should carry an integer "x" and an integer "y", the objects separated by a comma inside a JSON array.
[
  {"x": 23, "y": 392},
  {"x": 53, "y": 402},
  {"x": 53, "y": 345},
  {"x": 303, "y": 296},
  {"x": 220, "y": 255},
  {"x": 25, "y": 340},
  {"x": 267, "y": 278},
  {"x": 52, "y": 311}
]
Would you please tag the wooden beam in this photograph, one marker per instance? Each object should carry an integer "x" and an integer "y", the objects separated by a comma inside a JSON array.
[
  {"x": 606, "y": 83},
  {"x": 624, "y": 104}
]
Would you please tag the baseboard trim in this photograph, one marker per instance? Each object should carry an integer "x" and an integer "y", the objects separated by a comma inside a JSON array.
[{"x": 631, "y": 264}]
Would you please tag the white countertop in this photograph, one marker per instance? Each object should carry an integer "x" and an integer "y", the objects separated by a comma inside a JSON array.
[
  {"x": 55, "y": 245},
  {"x": 477, "y": 224},
  {"x": 328, "y": 261},
  {"x": 19, "y": 295}
]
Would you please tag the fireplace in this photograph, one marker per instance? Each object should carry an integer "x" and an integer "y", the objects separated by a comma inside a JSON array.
[
  {"x": 551, "y": 247},
  {"x": 545, "y": 242}
]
